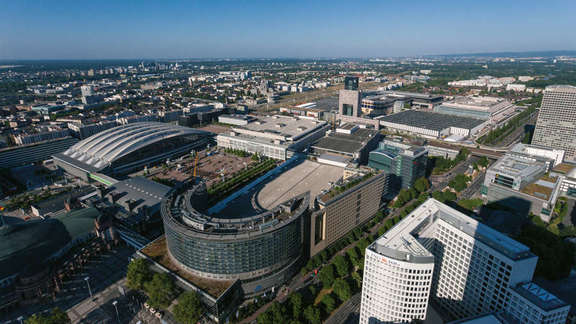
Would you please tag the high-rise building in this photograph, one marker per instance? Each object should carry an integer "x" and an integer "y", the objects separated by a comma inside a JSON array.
[
  {"x": 439, "y": 254},
  {"x": 350, "y": 98},
  {"x": 556, "y": 125},
  {"x": 351, "y": 83},
  {"x": 406, "y": 162}
]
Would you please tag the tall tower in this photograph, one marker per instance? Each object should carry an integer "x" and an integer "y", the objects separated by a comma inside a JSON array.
[
  {"x": 556, "y": 125},
  {"x": 350, "y": 98}
]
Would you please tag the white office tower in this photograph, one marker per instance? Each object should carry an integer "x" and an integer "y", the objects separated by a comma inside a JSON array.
[
  {"x": 556, "y": 124},
  {"x": 441, "y": 255}
]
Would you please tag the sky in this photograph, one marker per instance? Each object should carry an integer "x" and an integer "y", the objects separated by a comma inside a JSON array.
[{"x": 124, "y": 29}]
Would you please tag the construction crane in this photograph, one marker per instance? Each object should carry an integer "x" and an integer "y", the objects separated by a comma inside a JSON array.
[{"x": 195, "y": 164}]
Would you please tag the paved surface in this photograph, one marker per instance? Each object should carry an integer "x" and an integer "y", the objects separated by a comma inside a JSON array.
[
  {"x": 474, "y": 187},
  {"x": 105, "y": 272},
  {"x": 306, "y": 176},
  {"x": 348, "y": 313}
]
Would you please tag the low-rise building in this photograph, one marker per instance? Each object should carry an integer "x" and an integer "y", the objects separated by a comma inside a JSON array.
[
  {"x": 431, "y": 125},
  {"x": 274, "y": 136}
]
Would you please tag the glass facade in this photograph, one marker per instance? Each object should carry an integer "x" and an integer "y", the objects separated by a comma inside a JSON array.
[{"x": 234, "y": 256}]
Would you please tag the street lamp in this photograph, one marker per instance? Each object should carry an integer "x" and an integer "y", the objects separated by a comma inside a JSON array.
[
  {"x": 115, "y": 303},
  {"x": 88, "y": 283}
]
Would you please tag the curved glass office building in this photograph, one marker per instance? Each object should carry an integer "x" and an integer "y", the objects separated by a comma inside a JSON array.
[{"x": 262, "y": 250}]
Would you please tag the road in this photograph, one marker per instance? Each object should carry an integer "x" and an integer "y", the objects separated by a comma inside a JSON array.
[
  {"x": 474, "y": 187},
  {"x": 105, "y": 273},
  {"x": 347, "y": 313}
]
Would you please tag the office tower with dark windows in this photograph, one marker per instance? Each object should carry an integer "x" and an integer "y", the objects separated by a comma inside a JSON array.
[
  {"x": 404, "y": 161},
  {"x": 350, "y": 98},
  {"x": 556, "y": 125}
]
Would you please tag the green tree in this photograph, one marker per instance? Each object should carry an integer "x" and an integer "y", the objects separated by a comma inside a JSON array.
[
  {"x": 296, "y": 302},
  {"x": 342, "y": 289},
  {"x": 326, "y": 275},
  {"x": 160, "y": 290},
  {"x": 421, "y": 184},
  {"x": 459, "y": 182},
  {"x": 56, "y": 316},
  {"x": 362, "y": 245},
  {"x": 312, "y": 315},
  {"x": 189, "y": 308},
  {"x": 329, "y": 303},
  {"x": 342, "y": 265},
  {"x": 353, "y": 255},
  {"x": 138, "y": 273}
]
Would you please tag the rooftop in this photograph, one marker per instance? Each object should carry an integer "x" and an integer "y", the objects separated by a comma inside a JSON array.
[
  {"x": 431, "y": 120},
  {"x": 306, "y": 176},
  {"x": 404, "y": 241},
  {"x": 479, "y": 103},
  {"x": 140, "y": 190},
  {"x": 346, "y": 143},
  {"x": 538, "y": 296},
  {"x": 279, "y": 127},
  {"x": 518, "y": 166}
]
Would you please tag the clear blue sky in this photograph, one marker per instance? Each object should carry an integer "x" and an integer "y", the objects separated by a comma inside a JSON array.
[{"x": 79, "y": 29}]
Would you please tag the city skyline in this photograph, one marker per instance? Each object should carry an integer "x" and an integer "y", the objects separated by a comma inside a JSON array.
[{"x": 68, "y": 30}]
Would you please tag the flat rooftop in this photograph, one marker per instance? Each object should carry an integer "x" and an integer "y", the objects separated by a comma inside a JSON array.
[
  {"x": 539, "y": 296},
  {"x": 518, "y": 166},
  {"x": 478, "y": 103},
  {"x": 400, "y": 242},
  {"x": 157, "y": 251},
  {"x": 431, "y": 120},
  {"x": 346, "y": 143},
  {"x": 306, "y": 176},
  {"x": 287, "y": 126}
]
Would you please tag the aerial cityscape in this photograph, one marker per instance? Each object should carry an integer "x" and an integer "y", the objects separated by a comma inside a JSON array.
[{"x": 297, "y": 163}]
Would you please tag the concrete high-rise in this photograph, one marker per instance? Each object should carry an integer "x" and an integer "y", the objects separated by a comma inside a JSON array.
[
  {"x": 556, "y": 125},
  {"x": 350, "y": 98},
  {"x": 439, "y": 254}
]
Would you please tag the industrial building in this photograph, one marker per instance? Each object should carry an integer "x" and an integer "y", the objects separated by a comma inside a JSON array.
[
  {"x": 127, "y": 148},
  {"x": 495, "y": 110},
  {"x": 556, "y": 124},
  {"x": 432, "y": 125},
  {"x": 349, "y": 141},
  {"x": 465, "y": 267},
  {"x": 404, "y": 162},
  {"x": 276, "y": 136}
]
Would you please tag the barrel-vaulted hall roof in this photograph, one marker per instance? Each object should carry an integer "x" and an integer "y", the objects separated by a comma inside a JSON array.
[{"x": 101, "y": 149}]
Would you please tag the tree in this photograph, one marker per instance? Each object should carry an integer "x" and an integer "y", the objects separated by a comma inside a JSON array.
[
  {"x": 312, "y": 315},
  {"x": 421, "y": 184},
  {"x": 362, "y": 245},
  {"x": 189, "y": 308},
  {"x": 329, "y": 303},
  {"x": 56, "y": 316},
  {"x": 342, "y": 289},
  {"x": 326, "y": 275},
  {"x": 160, "y": 289},
  {"x": 342, "y": 265},
  {"x": 353, "y": 255},
  {"x": 138, "y": 273},
  {"x": 296, "y": 302},
  {"x": 459, "y": 183}
]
